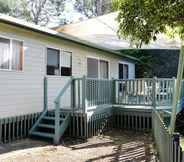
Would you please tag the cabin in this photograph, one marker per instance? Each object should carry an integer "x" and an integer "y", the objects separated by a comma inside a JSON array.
[
  {"x": 36, "y": 63},
  {"x": 54, "y": 85}
]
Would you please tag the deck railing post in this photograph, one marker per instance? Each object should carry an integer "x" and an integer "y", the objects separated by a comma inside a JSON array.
[
  {"x": 84, "y": 103},
  {"x": 45, "y": 93},
  {"x": 57, "y": 122},
  {"x": 154, "y": 93},
  {"x": 113, "y": 100},
  {"x": 175, "y": 147},
  {"x": 72, "y": 94}
]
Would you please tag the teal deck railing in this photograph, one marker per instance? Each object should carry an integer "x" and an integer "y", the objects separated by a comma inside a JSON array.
[
  {"x": 134, "y": 92},
  {"x": 98, "y": 92},
  {"x": 57, "y": 103},
  {"x": 88, "y": 92},
  {"x": 147, "y": 92}
]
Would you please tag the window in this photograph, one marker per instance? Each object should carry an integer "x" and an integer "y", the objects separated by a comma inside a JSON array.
[
  {"x": 123, "y": 71},
  {"x": 58, "y": 63},
  {"x": 92, "y": 68},
  {"x": 11, "y": 54},
  {"x": 104, "y": 69},
  {"x": 52, "y": 61},
  {"x": 17, "y": 55},
  {"x": 66, "y": 58},
  {"x": 97, "y": 68}
]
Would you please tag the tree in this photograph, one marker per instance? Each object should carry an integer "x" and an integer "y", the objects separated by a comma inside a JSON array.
[
  {"x": 4, "y": 7},
  {"x": 41, "y": 11},
  {"x": 92, "y": 8},
  {"x": 36, "y": 11},
  {"x": 142, "y": 20}
]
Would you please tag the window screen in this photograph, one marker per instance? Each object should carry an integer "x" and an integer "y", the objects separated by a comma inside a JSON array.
[
  {"x": 104, "y": 69},
  {"x": 92, "y": 68},
  {"x": 53, "y": 61}
]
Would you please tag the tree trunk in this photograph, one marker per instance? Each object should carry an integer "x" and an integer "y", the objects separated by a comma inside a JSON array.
[
  {"x": 99, "y": 7},
  {"x": 177, "y": 89}
]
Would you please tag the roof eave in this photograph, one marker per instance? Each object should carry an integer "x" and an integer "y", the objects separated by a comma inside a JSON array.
[{"x": 68, "y": 38}]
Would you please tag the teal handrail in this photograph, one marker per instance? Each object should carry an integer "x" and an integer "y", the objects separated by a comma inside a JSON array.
[{"x": 57, "y": 111}]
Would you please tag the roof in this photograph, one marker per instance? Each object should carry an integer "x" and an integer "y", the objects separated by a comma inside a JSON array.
[
  {"x": 103, "y": 30},
  {"x": 36, "y": 28}
]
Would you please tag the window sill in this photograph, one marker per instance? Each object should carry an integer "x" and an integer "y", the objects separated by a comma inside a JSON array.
[
  {"x": 12, "y": 71},
  {"x": 57, "y": 76}
]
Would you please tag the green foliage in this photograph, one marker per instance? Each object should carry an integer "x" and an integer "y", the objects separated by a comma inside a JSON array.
[
  {"x": 141, "y": 20},
  {"x": 36, "y": 11},
  {"x": 144, "y": 66},
  {"x": 4, "y": 7},
  {"x": 92, "y": 8}
]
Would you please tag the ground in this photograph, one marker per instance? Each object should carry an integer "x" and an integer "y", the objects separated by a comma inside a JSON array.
[{"x": 113, "y": 146}]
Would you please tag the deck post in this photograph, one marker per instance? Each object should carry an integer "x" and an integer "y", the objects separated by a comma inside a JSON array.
[
  {"x": 45, "y": 93},
  {"x": 57, "y": 122},
  {"x": 84, "y": 104},
  {"x": 177, "y": 89},
  {"x": 154, "y": 93},
  {"x": 72, "y": 94},
  {"x": 113, "y": 100},
  {"x": 154, "y": 103}
]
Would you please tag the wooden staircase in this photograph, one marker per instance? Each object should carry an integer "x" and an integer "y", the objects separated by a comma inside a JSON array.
[{"x": 46, "y": 126}]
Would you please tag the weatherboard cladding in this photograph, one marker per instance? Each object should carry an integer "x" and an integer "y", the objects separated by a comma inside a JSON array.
[
  {"x": 23, "y": 92},
  {"x": 49, "y": 32}
]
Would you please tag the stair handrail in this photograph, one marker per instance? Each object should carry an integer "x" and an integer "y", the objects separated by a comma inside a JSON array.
[
  {"x": 57, "y": 110},
  {"x": 38, "y": 121}
]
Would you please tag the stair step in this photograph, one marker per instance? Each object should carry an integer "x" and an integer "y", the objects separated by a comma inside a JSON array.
[
  {"x": 42, "y": 134},
  {"x": 51, "y": 118},
  {"x": 46, "y": 126}
]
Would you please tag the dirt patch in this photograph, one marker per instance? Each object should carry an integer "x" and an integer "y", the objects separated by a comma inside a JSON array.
[{"x": 113, "y": 146}]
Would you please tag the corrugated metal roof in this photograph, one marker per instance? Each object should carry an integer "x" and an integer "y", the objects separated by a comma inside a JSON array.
[{"x": 50, "y": 32}]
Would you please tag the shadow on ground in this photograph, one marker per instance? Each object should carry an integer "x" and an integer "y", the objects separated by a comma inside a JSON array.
[{"x": 113, "y": 146}]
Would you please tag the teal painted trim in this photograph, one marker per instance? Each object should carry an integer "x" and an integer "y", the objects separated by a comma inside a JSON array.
[
  {"x": 37, "y": 122},
  {"x": 154, "y": 92},
  {"x": 17, "y": 127},
  {"x": 162, "y": 138},
  {"x": 45, "y": 93},
  {"x": 84, "y": 94},
  {"x": 61, "y": 93},
  {"x": 65, "y": 124},
  {"x": 72, "y": 95},
  {"x": 57, "y": 122},
  {"x": 57, "y": 134}
]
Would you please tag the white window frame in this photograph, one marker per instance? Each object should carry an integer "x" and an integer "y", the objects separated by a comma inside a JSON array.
[
  {"x": 10, "y": 64},
  {"x": 60, "y": 53},
  {"x": 98, "y": 59}
]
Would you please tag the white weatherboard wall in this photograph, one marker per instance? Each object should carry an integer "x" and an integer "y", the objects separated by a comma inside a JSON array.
[
  {"x": 55, "y": 84},
  {"x": 23, "y": 92}
]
